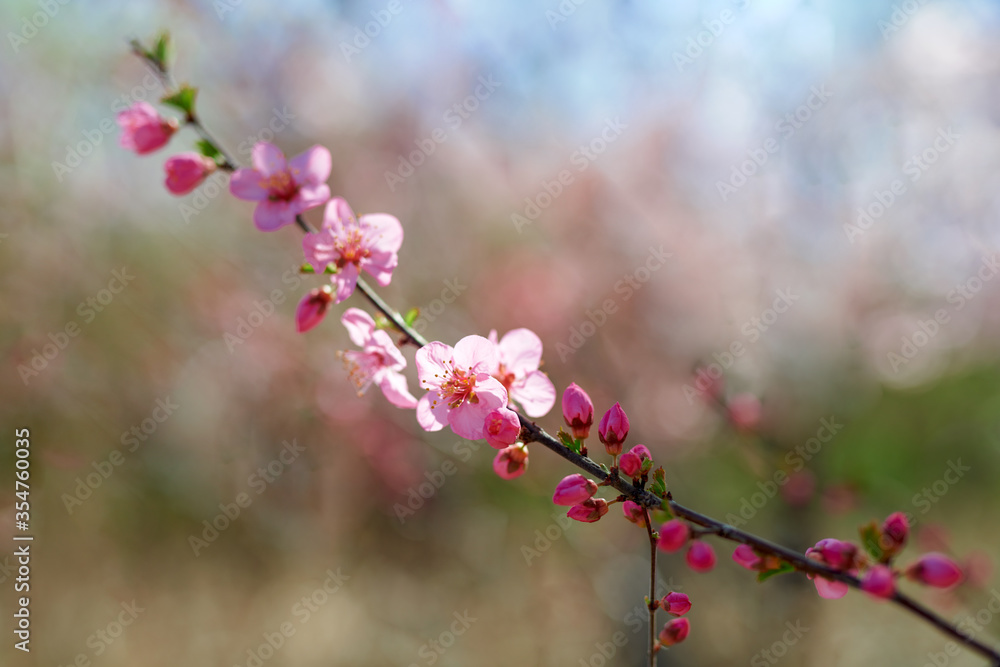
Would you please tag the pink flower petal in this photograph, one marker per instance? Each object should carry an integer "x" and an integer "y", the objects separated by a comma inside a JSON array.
[
  {"x": 386, "y": 232},
  {"x": 393, "y": 385},
  {"x": 272, "y": 215},
  {"x": 245, "y": 184},
  {"x": 319, "y": 249},
  {"x": 469, "y": 419},
  {"x": 380, "y": 266},
  {"x": 337, "y": 214},
  {"x": 431, "y": 362},
  {"x": 830, "y": 590},
  {"x": 359, "y": 325},
  {"x": 476, "y": 354},
  {"x": 535, "y": 393},
  {"x": 267, "y": 158},
  {"x": 520, "y": 351},
  {"x": 344, "y": 282},
  {"x": 381, "y": 343},
  {"x": 431, "y": 417},
  {"x": 312, "y": 166},
  {"x": 311, "y": 196}
]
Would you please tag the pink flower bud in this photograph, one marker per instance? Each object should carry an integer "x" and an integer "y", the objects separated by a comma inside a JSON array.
[
  {"x": 511, "y": 462},
  {"x": 143, "y": 129},
  {"x": 578, "y": 410},
  {"x": 574, "y": 489},
  {"x": 895, "y": 530},
  {"x": 837, "y": 554},
  {"x": 186, "y": 171},
  {"x": 631, "y": 461},
  {"x": 745, "y": 556},
  {"x": 935, "y": 569},
  {"x": 676, "y": 604},
  {"x": 675, "y": 631},
  {"x": 674, "y": 535},
  {"x": 700, "y": 556},
  {"x": 613, "y": 429},
  {"x": 878, "y": 582},
  {"x": 312, "y": 308},
  {"x": 502, "y": 428},
  {"x": 634, "y": 513},
  {"x": 589, "y": 511},
  {"x": 744, "y": 411}
]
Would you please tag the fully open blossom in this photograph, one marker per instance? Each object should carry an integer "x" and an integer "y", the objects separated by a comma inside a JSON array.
[
  {"x": 674, "y": 535},
  {"x": 502, "y": 428},
  {"x": 378, "y": 362},
  {"x": 143, "y": 129},
  {"x": 631, "y": 462},
  {"x": 878, "y": 582},
  {"x": 186, "y": 171},
  {"x": 700, "y": 556},
  {"x": 369, "y": 243},
  {"x": 312, "y": 308},
  {"x": 675, "y": 631},
  {"x": 574, "y": 489},
  {"x": 578, "y": 410},
  {"x": 461, "y": 393},
  {"x": 613, "y": 429},
  {"x": 935, "y": 569},
  {"x": 512, "y": 461},
  {"x": 283, "y": 188},
  {"x": 676, "y": 604},
  {"x": 589, "y": 511},
  {"x": 519, "y": 356}
]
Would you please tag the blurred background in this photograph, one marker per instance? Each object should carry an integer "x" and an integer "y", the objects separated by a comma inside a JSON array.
[{"x": 798, "y": 196}]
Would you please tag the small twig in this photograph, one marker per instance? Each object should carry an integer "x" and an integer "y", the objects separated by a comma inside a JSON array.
[{"x": 651, "y": 604}]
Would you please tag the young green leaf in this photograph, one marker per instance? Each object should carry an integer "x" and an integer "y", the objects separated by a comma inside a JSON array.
[
  {"x": 781, "y": 569},
  {"x": 183, "y": 99}
]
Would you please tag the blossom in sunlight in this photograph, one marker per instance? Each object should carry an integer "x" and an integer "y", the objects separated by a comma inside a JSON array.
[
  {"x": 520, "y": 355},
  {"x": 461, "y": 392},
  {"x": 502, "y": 428},
  {"x": 378, "y": 362},
  {"x": 143, "y": 129},
  {"x": 351, "y": 244},
  {"x": 282, "y": 188}
]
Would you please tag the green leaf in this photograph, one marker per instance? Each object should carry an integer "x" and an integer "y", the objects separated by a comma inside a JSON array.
[
  {"x": 307, "y": 268},
  {"x": 659, "y": 483},
  {"x": 665, "y": 508},
  {"x": 209, "y": 150},
  {"x": 330, "y": 269},
  {"x": 382, "y": 322},
  {"x": 781, "y": 569},
  {"x": 571, "y": 444},
  {"x": 163, "y": 49},
  {"x": 647, "y": 465},
  {"x": 183, "y": 99},
  {"x": 871, "y": 538},
  {"x": 411, "y": 316}
]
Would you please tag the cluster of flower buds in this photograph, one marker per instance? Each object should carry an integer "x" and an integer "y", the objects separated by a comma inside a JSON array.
[
  {"x": 674, "y": 535},
  {"x": 676, "y": 629}
]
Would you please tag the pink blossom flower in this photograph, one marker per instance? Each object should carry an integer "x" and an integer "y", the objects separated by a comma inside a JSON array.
[
  {"x": 829, "y": 589},
  {"x": 519, "y": 356},
  {"x": 935, "y": 569},
  {"x": 744, "y": 411},
  {"x": 578, "y": 410},
  {"x": 283, "y": 188},
  {"x": 312, "y": 308},
  {"x": 461, "y": 393},
  {"x": 700, "y": 556},
  {"x": 589, "y": 511},
  {"x": 895, "y": 530},
  {"x": 674, "y": 535},
  {"x": 676, "y": 604},
  {"x": 143, "y": 129},
  {"x": 378, "y": 362},
  {"x": 368, "y": 243},
  {"x": 745, "y": 556},
  {"x": 574, "y": 489},
  {"x": 633, "y": 512},
  {"x": 512, "y": 461},
  {"x": 186, "y": 171},
  {"x": 613, "y": 429},
  {"x": 631, "y": 461},
  {"x": 502, "y": 428},
  {"x": 878, "y": 582},
  {"x": 675, "y": 631}
]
